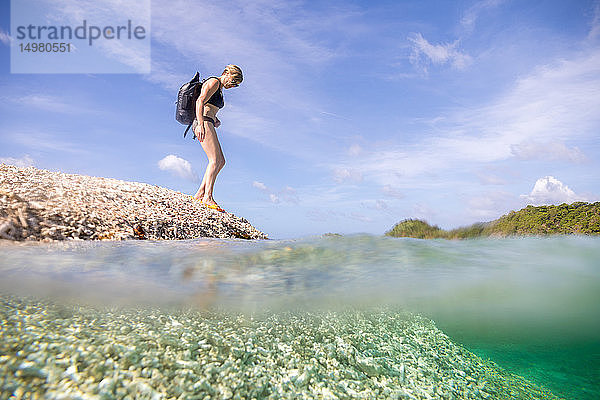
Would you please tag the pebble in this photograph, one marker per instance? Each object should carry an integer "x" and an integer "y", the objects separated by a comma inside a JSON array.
[
  {"x": 29, "y": 370},
  {"x": 40, "y": 205},
  {"x": 101, "y": 357}
]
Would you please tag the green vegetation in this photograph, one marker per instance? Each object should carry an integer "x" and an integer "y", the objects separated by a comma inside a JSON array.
[
  {"x": 566, "y": 219},
  {"x": 416, "y": 228}
]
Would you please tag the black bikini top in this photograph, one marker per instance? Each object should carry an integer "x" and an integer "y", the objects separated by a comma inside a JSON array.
[{"x": 217, "y": 98}]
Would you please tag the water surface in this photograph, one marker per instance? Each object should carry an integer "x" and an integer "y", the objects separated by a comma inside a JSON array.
[{"x": 528, "y": 304}]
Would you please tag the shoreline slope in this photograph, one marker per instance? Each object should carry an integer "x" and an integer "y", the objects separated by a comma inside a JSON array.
[{"x": 43, "y": 205}]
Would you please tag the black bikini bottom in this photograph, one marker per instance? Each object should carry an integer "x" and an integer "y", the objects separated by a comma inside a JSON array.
[{"x": 205, "y": 118}]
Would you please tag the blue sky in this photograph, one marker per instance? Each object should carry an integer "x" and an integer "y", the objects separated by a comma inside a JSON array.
[{"x": 352, "y": 115}]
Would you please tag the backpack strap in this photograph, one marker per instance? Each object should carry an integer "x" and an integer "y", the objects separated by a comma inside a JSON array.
[
  {"x": 218, "y": 80},
  {"x": 187, "y": 129},
  {"x": 191, "y": 123}
]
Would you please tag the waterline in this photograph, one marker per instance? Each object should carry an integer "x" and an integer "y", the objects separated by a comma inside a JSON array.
[{"x": 504, "y": 299}]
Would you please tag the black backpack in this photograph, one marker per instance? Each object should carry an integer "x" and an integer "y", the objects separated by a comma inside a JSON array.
[{"x": 189, "y": 92}]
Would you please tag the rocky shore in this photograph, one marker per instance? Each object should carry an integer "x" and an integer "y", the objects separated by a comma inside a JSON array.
[{"x": 42, "y": 205}]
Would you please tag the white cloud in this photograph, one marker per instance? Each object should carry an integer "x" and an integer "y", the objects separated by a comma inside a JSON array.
[
  {"x": 247, "y": 34},
  {"x": 355, "y": 150},
  {"x": 179, "y": 167},
  {"x": 556, "y": 103},
  {"x": 37, "y": 138},
  {"x": 360, "y": 217},
  {"x": 472, "y": 14},
  {"x": 549, "y": 190},
  {"x": 319, "y": 214},
  {"x": 5, "y": 37},
  {"x": 135, "y": 54},
  {"x": 382, "y": 205},
  {"x": 244, "y": 123},
  {"x": 63, "y": 104},
  {"x": 423, "y": 211},
  {"x": 490, "y": 179},
  {"x": 491, "y": 205},
  {"x": 165, "y": 74},
  {"x": 259, "y": 185},
  {"x": 25, "y": 161},
  {"x": 341, "y": 175},
  {"x": 553, "y": 151},
  {"x": 595, "y": 25},
  {"x": 391, "y": 191},
  {"x": 287, "y": 194},
  {"x": 139, "y": 59},
  {"x": 47, "y": 103},
  {"x": 425, "y": 53}
]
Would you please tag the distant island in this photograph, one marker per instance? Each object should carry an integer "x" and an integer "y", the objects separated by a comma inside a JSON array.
[{"x": 566, "y": 219}]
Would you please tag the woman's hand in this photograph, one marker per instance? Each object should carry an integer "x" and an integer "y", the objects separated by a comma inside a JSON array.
[
  {"x": 208, "y": 89},
  {"x": 199, "y": 132}
]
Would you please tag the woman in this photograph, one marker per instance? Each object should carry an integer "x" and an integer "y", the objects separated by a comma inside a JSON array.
[{"x": 207, "y": 106}]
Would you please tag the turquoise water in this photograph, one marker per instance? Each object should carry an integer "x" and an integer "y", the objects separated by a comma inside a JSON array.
[{"x": 530, "y": 305}]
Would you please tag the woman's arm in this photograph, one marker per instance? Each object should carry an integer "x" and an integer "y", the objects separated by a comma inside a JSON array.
[{"x": 208, "y": 89}]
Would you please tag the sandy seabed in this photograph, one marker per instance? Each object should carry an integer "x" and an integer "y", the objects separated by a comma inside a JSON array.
[{"x": 58, "y": 351}]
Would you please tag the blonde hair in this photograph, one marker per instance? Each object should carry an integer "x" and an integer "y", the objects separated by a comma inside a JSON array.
[{"x": 235, "y": 72}]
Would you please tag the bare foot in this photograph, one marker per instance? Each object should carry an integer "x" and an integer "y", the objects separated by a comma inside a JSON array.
[
  {"x": 210, "y": 201},
  {"x": 199, "y": 196}
]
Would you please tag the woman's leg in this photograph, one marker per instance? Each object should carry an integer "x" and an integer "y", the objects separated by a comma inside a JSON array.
[
  {"x": 216, "y": 161},
  {"x": 200, "y": 192}
]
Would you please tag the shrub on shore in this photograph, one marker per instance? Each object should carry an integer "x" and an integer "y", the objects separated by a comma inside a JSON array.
[
  {"x": 416, "y": 228},
  {"x": 578, "y": 218}
]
